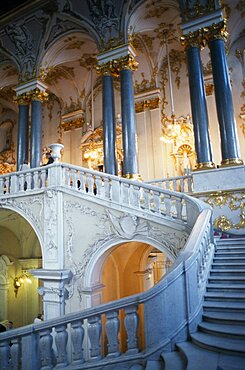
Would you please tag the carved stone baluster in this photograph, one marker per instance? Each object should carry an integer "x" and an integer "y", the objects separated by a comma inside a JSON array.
[
  {"x": 74, "y": 178},
  {"x": 189, "y": 184},
  {"x": 90, "y": 181},
  {"x": 61, "y": 343},
  {"x": 46, "y": 350},
  {"x": 67, "y": 177},
  {"x": 131, "y": 322},
  {"x": 181, "y": 185},
  {"x": 21, "y": 182},
  {"x": 115, "y": 190},
  {"x": 136, "y": 196},
  {"x": 81, "y": 181},
  {"x": 98, "y": 183},
  {"x": 13, "y": 187},
  {"x": 36, "y": 180},
  {"x": 167, "y": 202},
  {"x": 175, "y": 185},
  {"x": 167, "y": 185},
  {"x": 7, "y": 185},
  {"x": 107, "y": 187},
  {"x": 125, "y": 193},
  {"x": 1, "y": 186},
  {"x": 112, "y": 330},
  {"x": 28, "y": 180},
  {"x": 94, "y": 333},
  {"x": 178, "y": 206},
  {"x": 4, "y": 355},
  {"x": 14, "y": 354},
  {"x": 146, "y": 199},
  {"x": 43, "y": 179},
  {"x": 77, "y": 335},
  {"x": 157, "y": 202}
]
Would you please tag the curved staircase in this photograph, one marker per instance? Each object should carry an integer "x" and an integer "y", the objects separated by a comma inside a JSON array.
[{"x": 219, "y": 342}]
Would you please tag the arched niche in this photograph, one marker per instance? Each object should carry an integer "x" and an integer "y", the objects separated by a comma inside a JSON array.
[{"x": 20, "y": 247}]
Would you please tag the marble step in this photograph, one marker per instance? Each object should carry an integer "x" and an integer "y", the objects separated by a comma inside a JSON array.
[
  {"x": 219, "y": 344},
  {"x": 225, "y": 296},
  {"x": 228, "y": 265},
  {"x": 229, "y": 253},
  {"x": 174, "y": 361},
  {"x": 233, "y": 318},
  {"x": 225, "y": 287},
  {"x": 233, "y": 272},
  {"x": 197, "y": 358},
  {"x": 224, "y": 306},
  {"x": 226, "y": 279},
  {"x": 231, "y": 331},
  {"x": 229, "y": 259}
]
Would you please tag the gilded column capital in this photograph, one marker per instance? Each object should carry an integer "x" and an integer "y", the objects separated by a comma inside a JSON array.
[
  {"x": 193, "y": 39},
  {"x": 23, "y": 99},
  {"x": 217, "y": 31},
  {"x": 38, "y": 95},
  {"x": 107, "y": 69},
  {"x": 114, "y": 66},
  {"x": 127, "y": 62}
]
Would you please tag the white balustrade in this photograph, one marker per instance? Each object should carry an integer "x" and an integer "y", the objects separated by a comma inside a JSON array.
[
  {"x": 183, "y": 184},
  {"x": 70, "y": 330}
]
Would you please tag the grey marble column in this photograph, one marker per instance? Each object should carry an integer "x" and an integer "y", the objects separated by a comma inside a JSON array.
[
  {"x": 199, "y": 108},
  {"x": 224, "y": 104},
  {"x": 109, "y": 130},
  {"x": 22, "y": 141},
  {"x": 36, "y": 133},
  {"x": 130, "y": 166}
]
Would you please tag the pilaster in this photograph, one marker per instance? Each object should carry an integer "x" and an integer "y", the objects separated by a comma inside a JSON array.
[{"x": 53, "y": 292}]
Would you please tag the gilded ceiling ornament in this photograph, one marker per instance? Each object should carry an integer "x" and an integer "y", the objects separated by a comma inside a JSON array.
[
  {"x": 207, "y": 70},
  {"x": 103, "y": 14},
  {"x": 144, "y": 85},
  {"x": 73, "y": 124},
  {"x": 155, "y": 10},
  {"x": 88, "y": 61},
  {"x": 166, "y": 32},
  {"x": 73, "y": 43},
  {"x": 7, "y": 93},
  {"x": 241, "y": 8},
  {"x": 223, "y": 223},
  {"x": 209, "y": 89},
  {"x": 152, "y": 103},
  {"x": 53, "y": 74},
  {"x": 137, "y": 43},
  {"x": 195, "y": 9}
]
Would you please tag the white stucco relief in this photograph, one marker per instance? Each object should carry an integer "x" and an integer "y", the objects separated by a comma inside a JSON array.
[
  {"x": 31, "y": 209},
  {"x": 110, "y": 230}
]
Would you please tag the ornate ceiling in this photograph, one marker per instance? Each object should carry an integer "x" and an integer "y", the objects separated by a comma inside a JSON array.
[{"x": 58, "y": 41}]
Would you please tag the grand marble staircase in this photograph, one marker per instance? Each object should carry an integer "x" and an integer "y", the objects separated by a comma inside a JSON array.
[{"x": 219, "y": 342}]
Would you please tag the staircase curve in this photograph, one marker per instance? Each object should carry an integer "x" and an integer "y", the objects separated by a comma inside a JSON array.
[{"x": 170, "y": 311}]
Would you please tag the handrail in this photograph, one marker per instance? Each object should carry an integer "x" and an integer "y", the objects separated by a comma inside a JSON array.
[
  {"x": 187, "y": 278},
  {"x": 183, "y": 184},
  {"x": 182, "y": 287},
  {"x": 126, "y": 193}
]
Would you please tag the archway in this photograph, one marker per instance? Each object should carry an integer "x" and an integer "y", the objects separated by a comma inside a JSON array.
[
  {"x": 20, "y": 251},
  {"x": 126, "y": 269}
]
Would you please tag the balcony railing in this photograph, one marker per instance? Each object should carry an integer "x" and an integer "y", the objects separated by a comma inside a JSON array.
[
  {"x": 76, "y": 339},
  {"x": 125, "y": 193}
]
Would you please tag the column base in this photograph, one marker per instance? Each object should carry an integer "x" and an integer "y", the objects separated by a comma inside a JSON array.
[
  {"x": 232, "y": 162},
  {"x": 133, "y": 176},
  {"x": 204, "y": 166}
]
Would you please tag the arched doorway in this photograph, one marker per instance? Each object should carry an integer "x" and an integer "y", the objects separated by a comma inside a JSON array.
[
  {"x": 20, "y": 251},
  {"x": 123, "y": 270},
  {"x": 132, "y": 268}
]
